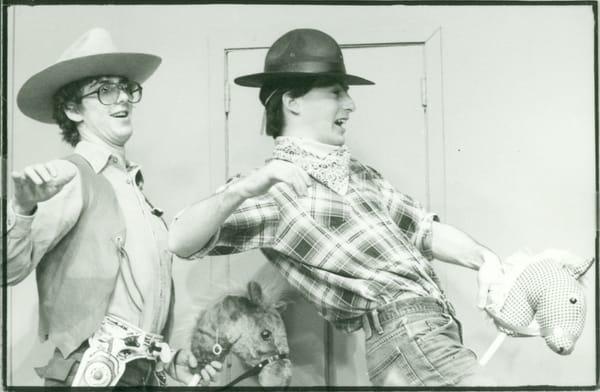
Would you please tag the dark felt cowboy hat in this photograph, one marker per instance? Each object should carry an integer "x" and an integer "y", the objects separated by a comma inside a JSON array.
[
  {"x": 301, "y": 53},
  {"x": 93, "y": 54}
]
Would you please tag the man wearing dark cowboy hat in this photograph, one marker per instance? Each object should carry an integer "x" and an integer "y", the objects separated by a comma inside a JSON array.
[
  {"x": 336, "y": 229},
  {"x": 97, "y": 245}
]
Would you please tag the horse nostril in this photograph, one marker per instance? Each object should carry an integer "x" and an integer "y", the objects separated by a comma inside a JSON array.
[{"x": 561, "y": 349}]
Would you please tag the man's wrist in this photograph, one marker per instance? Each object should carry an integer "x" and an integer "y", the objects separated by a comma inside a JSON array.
[
  {"x": 487, "y": 255},
  {"x": 25, "y": 210}
]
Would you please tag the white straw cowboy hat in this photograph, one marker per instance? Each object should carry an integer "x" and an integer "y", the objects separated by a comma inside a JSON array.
[{"x": 92, "y": 54}]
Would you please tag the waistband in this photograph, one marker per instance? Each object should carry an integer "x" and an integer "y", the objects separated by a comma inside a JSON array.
[{"x": 374, "y": 320}]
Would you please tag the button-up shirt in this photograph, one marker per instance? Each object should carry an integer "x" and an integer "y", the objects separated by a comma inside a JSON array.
[
  {"x": 347, "y": 253},
  {"x": 143, "y": 287}
]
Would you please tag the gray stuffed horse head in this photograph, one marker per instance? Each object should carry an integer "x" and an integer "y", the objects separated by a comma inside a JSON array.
[{"x": 248, "y": 327}]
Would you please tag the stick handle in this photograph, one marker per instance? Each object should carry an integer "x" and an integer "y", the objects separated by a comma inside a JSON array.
[
  {"x": 194, "y": 381},
  {"x": 492, "y": 349}
]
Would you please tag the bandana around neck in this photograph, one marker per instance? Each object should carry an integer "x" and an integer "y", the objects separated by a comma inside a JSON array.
[{"x": 329, "y": 165}]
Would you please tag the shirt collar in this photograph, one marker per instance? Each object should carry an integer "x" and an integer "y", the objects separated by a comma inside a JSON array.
[
  {"x": 329, "y": 165},
  {"x": 99, "y": 156}
]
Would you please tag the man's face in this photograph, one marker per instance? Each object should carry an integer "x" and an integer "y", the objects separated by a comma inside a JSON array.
[
  {"x": 323, "y": 112},
  {"x": 111, "y": 123}
]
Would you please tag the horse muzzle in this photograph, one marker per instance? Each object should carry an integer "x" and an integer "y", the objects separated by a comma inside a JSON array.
[
  {"x": 277, "y": 373},
  {"x": 560, "y": 341}
]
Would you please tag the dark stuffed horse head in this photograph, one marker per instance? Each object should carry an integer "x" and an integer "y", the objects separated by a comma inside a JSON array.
[{"x": 248, "y": 327}]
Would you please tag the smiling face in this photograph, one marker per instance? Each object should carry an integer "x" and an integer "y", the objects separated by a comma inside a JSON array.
[
  {"x": 320, "y": 114},
  {"x": 109, "y": 123}
]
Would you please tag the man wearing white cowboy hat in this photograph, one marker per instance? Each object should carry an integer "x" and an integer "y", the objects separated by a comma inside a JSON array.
[
  {"x": 336, "y": 229},
  {"x": 82, "y": 222}
]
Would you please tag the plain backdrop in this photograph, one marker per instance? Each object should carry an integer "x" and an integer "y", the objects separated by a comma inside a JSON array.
[{"x": 518, "y": 135}]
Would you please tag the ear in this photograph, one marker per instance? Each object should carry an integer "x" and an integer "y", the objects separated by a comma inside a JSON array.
[
  {"x": 72, "y": 112},
  {"x": 579, "y": 270},
  {"x": 290, "y": 103},
  {"x": 255, "y": 293}
]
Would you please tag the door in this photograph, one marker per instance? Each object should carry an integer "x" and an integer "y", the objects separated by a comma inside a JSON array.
[{"x": 387, "y": 131}]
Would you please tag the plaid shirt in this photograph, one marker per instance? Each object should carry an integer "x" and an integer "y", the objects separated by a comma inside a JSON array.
[{"x": 348, "y": 253}]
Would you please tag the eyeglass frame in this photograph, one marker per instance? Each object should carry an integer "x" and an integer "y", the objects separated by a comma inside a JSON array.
[{"x": 119, "y": 85}]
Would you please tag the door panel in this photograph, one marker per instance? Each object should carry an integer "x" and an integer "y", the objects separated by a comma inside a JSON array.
[{"x": 387, "y": 131}]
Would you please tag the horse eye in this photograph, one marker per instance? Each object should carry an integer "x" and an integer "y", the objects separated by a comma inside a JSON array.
[
  {"x": 573, "y": 300},
  {"x": 265, "y": 334}
]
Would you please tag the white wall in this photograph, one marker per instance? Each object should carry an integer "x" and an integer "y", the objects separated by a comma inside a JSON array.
[{"x": 518, "y": 112}]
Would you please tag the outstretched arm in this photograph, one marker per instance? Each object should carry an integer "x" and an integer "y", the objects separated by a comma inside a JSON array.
[
  {"x": 31, "y": 231},
  {"x": 451, "y": 245},
  {"x": 193, "y": 227}
]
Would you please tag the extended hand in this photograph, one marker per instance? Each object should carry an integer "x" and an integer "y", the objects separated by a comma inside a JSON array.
[
  {"x": 261, "y": 180},
  {"x": 37, "y": 183},
  {"x": 184, "y": 369},
  {"x": 490, "y": 273}
]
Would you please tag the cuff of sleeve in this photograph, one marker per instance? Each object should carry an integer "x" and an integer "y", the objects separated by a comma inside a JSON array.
[
  {"x": 17, "y": 224},
  {"x": 423, "y": 238}
]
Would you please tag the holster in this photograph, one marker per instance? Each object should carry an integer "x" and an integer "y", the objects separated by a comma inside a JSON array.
[{"x": 111, "y": 347}]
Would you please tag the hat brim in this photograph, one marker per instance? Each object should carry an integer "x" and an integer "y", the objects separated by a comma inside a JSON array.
[
  {"x": 259, "y": 79},
  {"x": 35, "y": 96}
]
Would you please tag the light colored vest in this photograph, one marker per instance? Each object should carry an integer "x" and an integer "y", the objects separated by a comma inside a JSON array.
[{"x": 77, "y": 277}]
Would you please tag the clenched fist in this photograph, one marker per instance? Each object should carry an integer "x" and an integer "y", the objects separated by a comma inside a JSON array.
[{"x": 261, "y": 180}]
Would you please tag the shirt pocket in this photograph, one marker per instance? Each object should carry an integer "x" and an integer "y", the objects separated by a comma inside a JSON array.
[{"x": 331, "y": 214}]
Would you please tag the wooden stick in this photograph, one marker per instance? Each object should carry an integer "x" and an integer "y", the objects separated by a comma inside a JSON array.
[
  {"x": 194, "y": 381},
  {"x": 492, "y": 349}
]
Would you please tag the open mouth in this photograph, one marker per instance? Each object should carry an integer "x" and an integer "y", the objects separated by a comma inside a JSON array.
[
  {"x": 120, "y": 114},
  {"x": 340, "y": 122}
]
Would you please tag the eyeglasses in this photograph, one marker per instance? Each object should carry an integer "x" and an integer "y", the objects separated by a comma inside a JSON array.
[{"x": 108, "y": 93}]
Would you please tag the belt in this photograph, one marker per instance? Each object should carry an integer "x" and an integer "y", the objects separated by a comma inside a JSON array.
[{"x": 375, "y": 319}]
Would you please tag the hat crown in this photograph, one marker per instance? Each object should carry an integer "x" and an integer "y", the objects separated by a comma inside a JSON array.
[
  {"x": 305, "y": 50},
  {"x": 95, "y": 41}
]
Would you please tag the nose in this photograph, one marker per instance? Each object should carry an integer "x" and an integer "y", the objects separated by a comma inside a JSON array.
[
  {"x": 348, "y": 102},
  {"x": 123, "y": 96}
]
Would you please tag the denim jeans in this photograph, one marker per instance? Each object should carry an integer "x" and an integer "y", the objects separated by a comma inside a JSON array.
[{"x": 418, "y": 342}]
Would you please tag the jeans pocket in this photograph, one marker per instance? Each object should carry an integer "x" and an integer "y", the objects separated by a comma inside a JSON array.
[
  {"x": 444, "y": 358},
  {"x": 385, "y": 353}
]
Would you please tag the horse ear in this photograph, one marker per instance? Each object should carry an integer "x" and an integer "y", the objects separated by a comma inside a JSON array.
[
  {"x": 579, "y": 270},
  {"x": 255, "y": 293}
]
